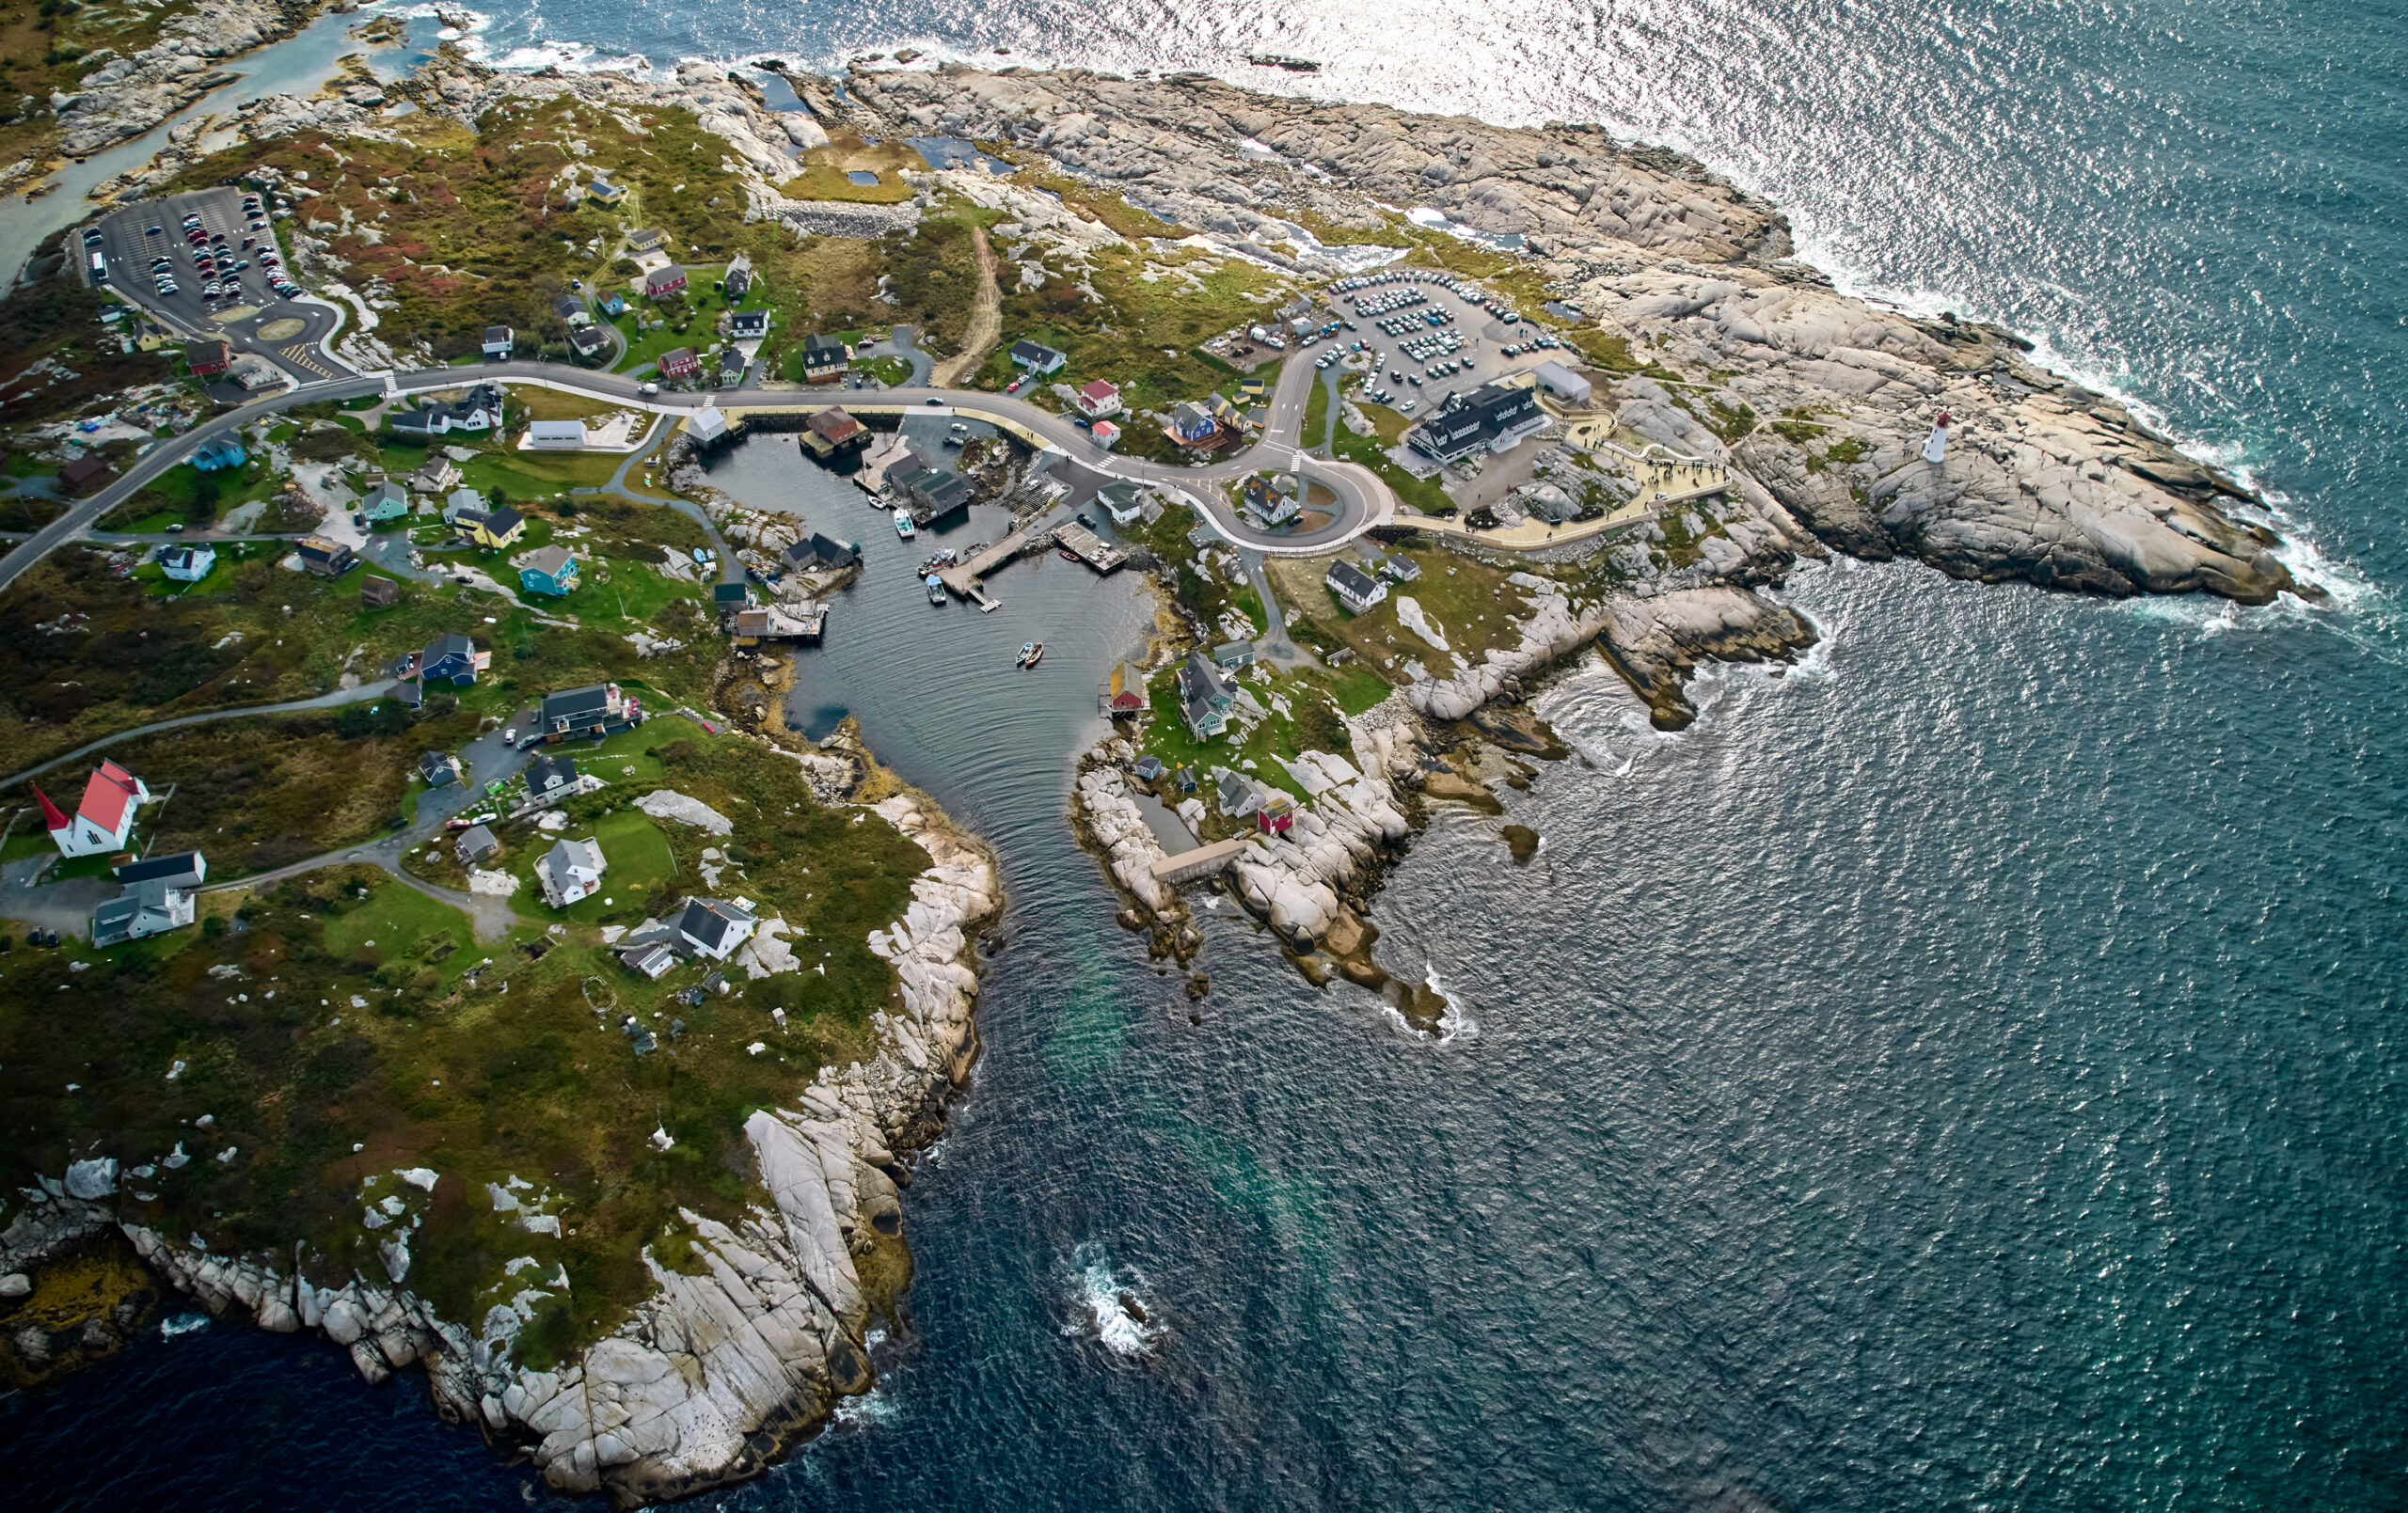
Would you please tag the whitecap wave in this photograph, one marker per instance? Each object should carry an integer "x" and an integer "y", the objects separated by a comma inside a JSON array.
[
  {"x": 1109, "y": 1304},
  {"x": 1455, "y": 1024},
  {"x": 181, "y": 1324}
]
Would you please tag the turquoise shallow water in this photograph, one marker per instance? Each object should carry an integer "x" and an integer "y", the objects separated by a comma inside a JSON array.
[{"x": 1963, "y": 1071}]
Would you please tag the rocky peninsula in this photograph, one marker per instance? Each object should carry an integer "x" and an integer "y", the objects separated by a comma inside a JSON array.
[{"x": 1698, "y": 331}]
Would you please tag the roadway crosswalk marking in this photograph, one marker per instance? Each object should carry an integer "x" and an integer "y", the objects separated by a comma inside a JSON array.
[{"x": 302, "y": 356}]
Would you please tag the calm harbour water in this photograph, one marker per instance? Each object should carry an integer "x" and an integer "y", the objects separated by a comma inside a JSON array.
[{"x": 1958, "y": 1072}]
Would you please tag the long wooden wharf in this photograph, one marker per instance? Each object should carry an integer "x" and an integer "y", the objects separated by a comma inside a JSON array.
[{"x": 1203, "y": 861}]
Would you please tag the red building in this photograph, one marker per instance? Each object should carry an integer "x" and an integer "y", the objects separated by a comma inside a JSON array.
[
  {"x": 682, "y": 363},
  {"x": 663, "y": 281},
  {"x": 206, "y": 356}
]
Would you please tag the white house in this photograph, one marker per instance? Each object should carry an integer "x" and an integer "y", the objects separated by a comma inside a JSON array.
[
  {"x": 188, "y": 564},
  {"x": 555, "y": 435},
  {"x": 497, "y": 340},
  {"x": 569, "y": 871},
  {"x": 155, "y": 895},
  {"x": 1036, "y": 357},
  {"x": 1099, "y": 398},
  {"x": 714, "y": 927},
  {"x": 1356, "y": 589},
  {"x": 709, "y": 423},
  {"x": 102, "y": 820}
]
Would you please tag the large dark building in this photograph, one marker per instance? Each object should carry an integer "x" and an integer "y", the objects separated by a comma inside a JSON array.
[{"x": 1487, "y": 417}]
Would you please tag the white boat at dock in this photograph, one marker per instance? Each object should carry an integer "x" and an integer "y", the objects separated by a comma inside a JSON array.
[{"x": 903, "y": 526}]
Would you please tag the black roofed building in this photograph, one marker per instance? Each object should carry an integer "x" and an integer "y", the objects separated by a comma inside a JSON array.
[
  {"x": 714, "y": 927},
  {"x": 597, "y": 709},
  {"x": 1488, "y": 416}
]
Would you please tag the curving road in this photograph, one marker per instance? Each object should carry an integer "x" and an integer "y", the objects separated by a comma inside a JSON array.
[
  {"x": 335, "y": 699},
  {"x": 1363, "y": 500}
]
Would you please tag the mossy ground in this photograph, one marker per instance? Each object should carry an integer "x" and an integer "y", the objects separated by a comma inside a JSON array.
[
  {"x": 124, "y": 651},
  {"x": 341, "y": 1027}
]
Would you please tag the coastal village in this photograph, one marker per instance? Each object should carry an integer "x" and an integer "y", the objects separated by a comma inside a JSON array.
[{"x": 397, "y": 752}]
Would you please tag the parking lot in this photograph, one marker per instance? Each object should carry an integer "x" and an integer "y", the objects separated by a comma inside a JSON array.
[
  {"x": 168, "y": 255},
  {"x": 1429, "y": 334}
]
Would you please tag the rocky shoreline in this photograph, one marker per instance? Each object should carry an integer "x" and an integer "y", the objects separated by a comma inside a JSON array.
[
  {"x": 1816, "y": 402},
  {"x": 730, "y": 1360}
]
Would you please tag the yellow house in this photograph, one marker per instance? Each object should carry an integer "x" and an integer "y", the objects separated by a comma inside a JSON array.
[
  {"x": 602, "y": 192},
  {"x": 498, "y": 529}
]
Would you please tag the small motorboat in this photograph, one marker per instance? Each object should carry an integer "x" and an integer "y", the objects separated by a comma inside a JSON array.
[
  {"x": 936, "y": 589},
  {"x": 903, "y": 526},
  {"x": 1069, "y": 556},
  {"x": 1032, "y": 654}
]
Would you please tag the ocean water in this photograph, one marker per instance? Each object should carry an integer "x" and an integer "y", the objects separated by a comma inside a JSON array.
[{"x": 1959, "y": 1071}]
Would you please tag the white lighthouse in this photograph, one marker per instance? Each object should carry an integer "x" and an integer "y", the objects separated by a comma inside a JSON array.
[{"x": 1936, "y": 450}]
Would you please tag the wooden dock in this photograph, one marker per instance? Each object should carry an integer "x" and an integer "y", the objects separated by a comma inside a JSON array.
[
  {"x": 1203, "y": 861},
  {"x": 1089, "y": 548},
  {"x": 963, "y": 577}
]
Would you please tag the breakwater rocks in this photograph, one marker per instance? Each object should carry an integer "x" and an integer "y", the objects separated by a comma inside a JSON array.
[{"x": 733, "y": 1356}]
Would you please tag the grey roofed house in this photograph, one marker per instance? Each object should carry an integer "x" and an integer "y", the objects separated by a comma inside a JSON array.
[
  {"x": 576, "y": 708},
  {"x": 143, "y": 909},
  {"x": 653, "y": 959},
  {"x": 714, "y": 926},
  {"x": 819, "y": 551},
  {"x": 550, "y": 775},
  {"x": 451, "y": 657},
  {"x": 745, "y": 324},
  {"x": 1035, "y": 356},
  {"x": 569, "y": 871},
  {"x": 586, "y": 340},
  {"x": 177, "y": 869},
  {"x": 476, "y": 842},
  {"x": 571, "y": 309},
  {"x": 1238, "y": 797},
  {"x": 1233, "y": 655},
  {"x": 1355, "y": 587},
  {"x": 1204, "y": 700},
  {"x": 439, "y": 768}
]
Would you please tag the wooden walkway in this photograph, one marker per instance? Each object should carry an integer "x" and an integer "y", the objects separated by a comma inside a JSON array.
[
  {"x": 1203, "y": 861},
  {"x": 963, "y": 577}
]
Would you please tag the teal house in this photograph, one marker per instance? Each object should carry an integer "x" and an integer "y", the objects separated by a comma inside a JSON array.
[
  {"x": 386, "y": 501},
  {"x": 220, "y": 451},
  {"x": 548, "y": 569}
]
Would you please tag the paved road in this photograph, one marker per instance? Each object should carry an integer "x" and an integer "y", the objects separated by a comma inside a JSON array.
[
  {"x": 488, "y": 758},
  {"x": 324, "y": 701},
  {"x": 1363, "y": 500}
]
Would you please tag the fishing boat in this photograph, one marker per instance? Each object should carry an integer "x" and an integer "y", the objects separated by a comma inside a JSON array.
[
  {"x": 1069, "y": 556},
  {"x": 1032, "y": 654},
  {"x": 903, "y": 526},
  {"x": 936, "y": 589}
]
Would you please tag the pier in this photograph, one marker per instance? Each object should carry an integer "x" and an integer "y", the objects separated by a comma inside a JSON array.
[
  {"x": 1089, "y": 548},
  {"x": 963, "y": 577},
  {"x": 1203, "y": 861}
]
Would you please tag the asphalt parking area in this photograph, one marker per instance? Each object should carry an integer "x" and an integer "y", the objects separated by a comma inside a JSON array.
[{"x": 136, "y": 239}]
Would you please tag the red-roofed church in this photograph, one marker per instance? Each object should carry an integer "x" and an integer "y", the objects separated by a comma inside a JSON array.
[{"x": 103, "y": 821}]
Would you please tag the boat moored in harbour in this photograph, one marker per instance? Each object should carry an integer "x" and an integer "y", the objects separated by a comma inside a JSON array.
[{"x": 903, "y": 526}]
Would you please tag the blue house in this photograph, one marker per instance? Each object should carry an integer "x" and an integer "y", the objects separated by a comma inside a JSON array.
[
  {"x": 216, "y": 452},
  {"x": 615, "y": 305},
  {"x": 548, "y": 569}
]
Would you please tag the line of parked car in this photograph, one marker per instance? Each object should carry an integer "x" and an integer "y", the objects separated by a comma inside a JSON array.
[{"x": 217, "y": 262}]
